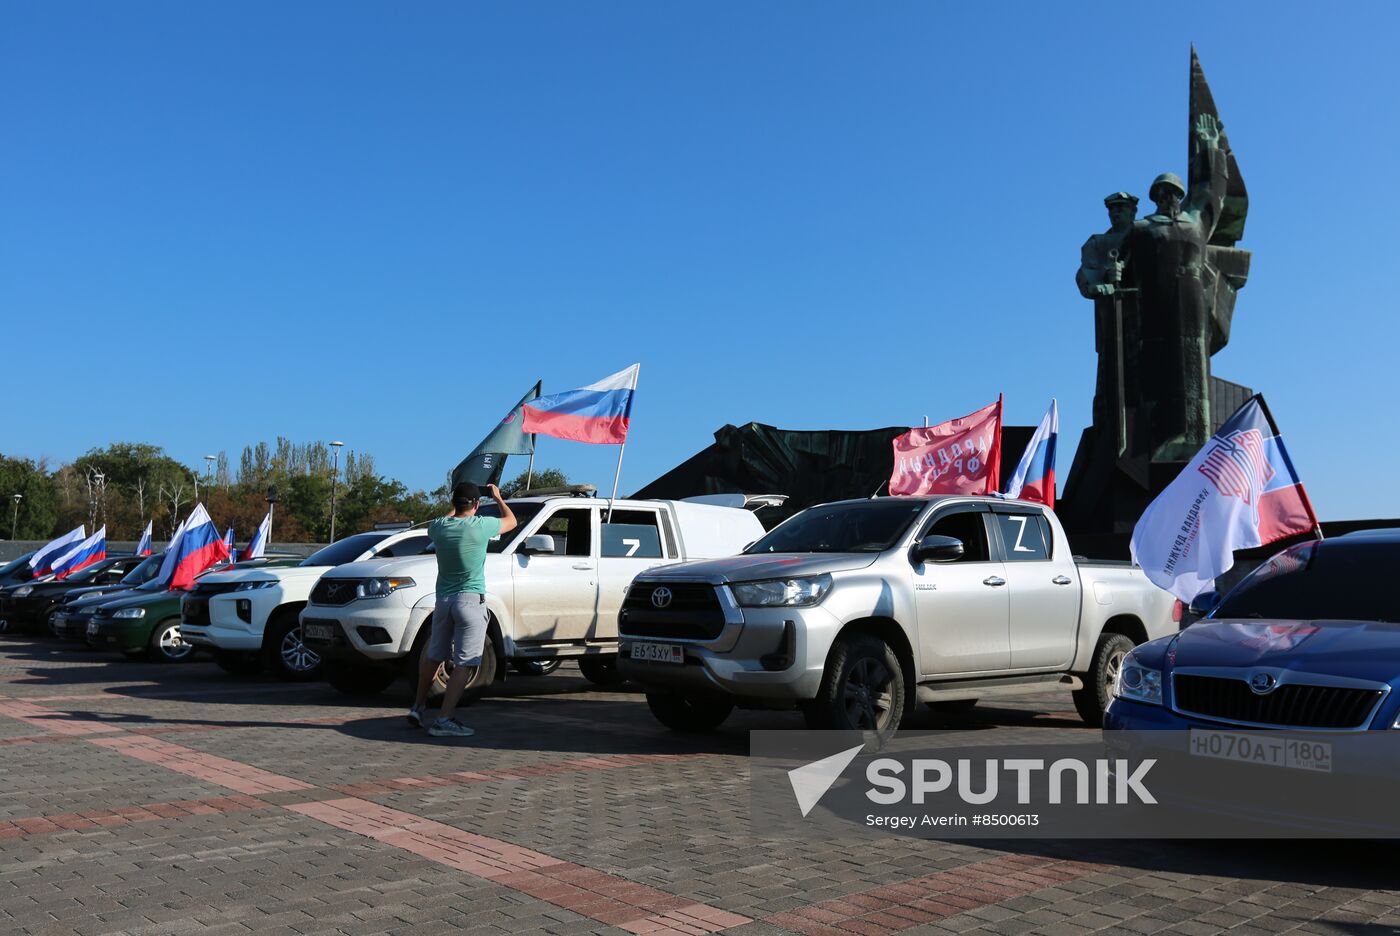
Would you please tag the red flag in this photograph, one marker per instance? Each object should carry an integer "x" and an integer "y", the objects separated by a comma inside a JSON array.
[{"x": 960, "y": 456}]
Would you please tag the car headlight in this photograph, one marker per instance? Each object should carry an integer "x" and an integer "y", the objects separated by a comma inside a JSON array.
[
  {"x": 129, "y": 614},
  {"x": 1138, "y": 683},
  {"x": 23, "y": 590},
  {"x": 782, "y": 593},
  {"x": 381, "y": 587},
  {"x": 254, "y": 586}
]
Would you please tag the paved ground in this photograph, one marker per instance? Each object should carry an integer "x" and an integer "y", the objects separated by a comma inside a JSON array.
[{"x": 138, "y": 798}]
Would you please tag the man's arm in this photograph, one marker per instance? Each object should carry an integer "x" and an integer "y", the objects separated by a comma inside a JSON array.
[{"x": 508, "y": 522}]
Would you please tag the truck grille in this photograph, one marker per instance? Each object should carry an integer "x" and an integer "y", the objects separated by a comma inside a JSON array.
[
  {"x": 333, "y": 592},
  {"x": 693, "y": 613},
  {"x": 194, "y": 609},
  {"x": 1290, "y": 705}
]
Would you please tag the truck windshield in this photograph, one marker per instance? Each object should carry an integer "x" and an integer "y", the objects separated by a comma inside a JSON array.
[
  {"x": 858, "y": 527},
  {"x": 1337, "y": 580},
  {"x": 343, "y": 551}
]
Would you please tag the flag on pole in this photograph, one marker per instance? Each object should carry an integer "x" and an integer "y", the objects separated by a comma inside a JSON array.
[
  {"x": 598, "y": 413},
  {"x": 258, "y": 544},
  {"x": 167, "y": 562},
  {"x": 1240, "y": 491},
  {"x": 43, "y": 560},
  {"x": 93, "y": 549},
  {"x": 960, "y": 456},
  {"x": 488, "y": 460},
  {"x": 143, "y": 548},
  {"x": 1034, "y": 478},
  {"x": 200, "y": 547},
  {"x": 228, "y": 541}
]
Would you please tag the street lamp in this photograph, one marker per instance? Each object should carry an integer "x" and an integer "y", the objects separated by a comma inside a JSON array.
[
  {"x": 335, "y": 473},
  {"x": 271, "y": 505},
  {"x": 209, "y": 472},
  {"x": 14, "y": 518}
]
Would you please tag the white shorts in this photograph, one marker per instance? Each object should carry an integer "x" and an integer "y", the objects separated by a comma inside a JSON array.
[{"x": 459, "y": 629}]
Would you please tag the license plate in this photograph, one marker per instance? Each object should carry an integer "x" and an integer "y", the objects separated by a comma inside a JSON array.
[
  {"x": 658, "y": 652},
  {"x": 92, "y": 628},
  {"x": 318, "y": 632},
  {"x": 1246, "y": 748}
]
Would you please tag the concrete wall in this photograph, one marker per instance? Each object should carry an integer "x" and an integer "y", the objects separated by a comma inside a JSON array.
[{"x": 9, "y": 549}]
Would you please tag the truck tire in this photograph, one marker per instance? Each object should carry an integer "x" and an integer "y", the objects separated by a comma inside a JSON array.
[
  {"x": 689, "y": 713},
  {"x": 601, "y": 670},
  {"x": 166, "y": 645},
  {"x": 485, "y": 673},
  {"x": 359, "y": 679},
  {"x": 283, "y": 652},
  {"x": 1098, "y": 682},
  {"x": 862, "y": 688},
  {"x": 535, "y": 667},
  {"x": 237, "y": 663}
]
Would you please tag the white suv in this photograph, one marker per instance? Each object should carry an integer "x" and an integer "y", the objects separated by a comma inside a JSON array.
[{"x": 248, "y": 617}]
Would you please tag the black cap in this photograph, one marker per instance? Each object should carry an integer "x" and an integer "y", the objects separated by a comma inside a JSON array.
[{"x": 464, "y": 493}]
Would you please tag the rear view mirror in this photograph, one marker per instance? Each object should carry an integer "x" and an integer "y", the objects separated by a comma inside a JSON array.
[
  {"x": 538, "y": 545},
  {"x": 938, "y": 549},
  {"x": 1204, "y": 603}
]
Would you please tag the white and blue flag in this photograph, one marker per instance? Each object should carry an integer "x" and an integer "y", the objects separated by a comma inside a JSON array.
[{"x": 43, "y": 561}]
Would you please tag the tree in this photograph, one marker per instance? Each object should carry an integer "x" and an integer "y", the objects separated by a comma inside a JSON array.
[
  {"x": 125, "y": 467},
  {"x": 543, "y": 478},
  {"x": 37, "y": 514}
]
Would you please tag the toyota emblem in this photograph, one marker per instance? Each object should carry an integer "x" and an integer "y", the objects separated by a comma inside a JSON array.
[
  {"x": 661, "y": 597},
  {"x": 1262, "y": 683}
]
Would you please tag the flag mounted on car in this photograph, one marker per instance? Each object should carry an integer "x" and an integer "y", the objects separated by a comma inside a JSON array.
[
  {"x": 91, "y": 550},
  {"x": 44, "y": 559},
  {"x": 196, "y": 547},
  {"x": 488, "y": 460},
  {"x": 1240, "y": 491},
  {"x": 598, "y": 413},
  {"x": 258, "y": 544},
  {"x": 960, "y": 456},
  {"x": 1034, "y": 478},
  {"x": 143, "y": 548}
]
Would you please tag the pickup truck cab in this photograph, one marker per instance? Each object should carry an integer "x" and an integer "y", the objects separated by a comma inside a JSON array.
[
  {"x": 249, "y": 616},
  {"x": 857, "y": 609},
  {"x": 553, "y": 588}
]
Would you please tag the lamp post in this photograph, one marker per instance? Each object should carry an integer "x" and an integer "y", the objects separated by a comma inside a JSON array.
[
  {"x": 335, "y": 474},
  {"x": 14, "y": 517},
  {"x": 209, "y": 472},
  {"x": 271, "y": 504}
]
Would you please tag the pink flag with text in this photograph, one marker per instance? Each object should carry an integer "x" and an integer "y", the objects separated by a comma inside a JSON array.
[{"x": 960, "y": 456}]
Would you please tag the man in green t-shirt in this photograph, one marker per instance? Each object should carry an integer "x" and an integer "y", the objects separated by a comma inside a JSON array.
[{"x": 459, "y": 617}]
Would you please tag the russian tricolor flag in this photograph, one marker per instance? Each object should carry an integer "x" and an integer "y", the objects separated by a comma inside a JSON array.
[
  {"x": 598, "y": 413},
  {"x": 196, "y": 547},
  {"x": 143, "y": 548},
  {"x": 1034, "y": 478},
  {"x": 93, "y": 549},
  {"x": 258, "y": 544},
  {"x": 43, "y": 561}
]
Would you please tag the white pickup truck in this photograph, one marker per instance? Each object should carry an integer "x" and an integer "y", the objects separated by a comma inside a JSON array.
[
  {"x": 248, "y": 617},
  {"x": 855, "y": 610},
  {"x": 553, "y": 589}
]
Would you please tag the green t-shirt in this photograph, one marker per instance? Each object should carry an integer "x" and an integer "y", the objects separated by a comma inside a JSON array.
[{"x": 461, "y": 552}]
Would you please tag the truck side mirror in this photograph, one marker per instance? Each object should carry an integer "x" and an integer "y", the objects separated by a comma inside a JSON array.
[
  {"x": 538, "y": 545},
  {"x": 938, "y": 549},
  {"x": 1204, "y": 603}
]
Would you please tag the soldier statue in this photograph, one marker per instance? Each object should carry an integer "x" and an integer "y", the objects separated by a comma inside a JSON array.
[{"x": 1102, "y": 261}]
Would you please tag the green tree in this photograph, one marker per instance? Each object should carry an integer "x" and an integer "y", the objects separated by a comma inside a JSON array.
[
  {"x": 543, "y": 478},
  {"x": 37, "y": 514},
  {"x": 139, "y": 482}
]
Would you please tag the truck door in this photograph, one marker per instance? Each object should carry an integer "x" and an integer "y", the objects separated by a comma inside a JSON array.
[
  {"x": 964, "y": 614},
  {"x": 556, "y": 594},
  {"x": 631, "y": 543},
  {"x": 1043, "y": 585}
]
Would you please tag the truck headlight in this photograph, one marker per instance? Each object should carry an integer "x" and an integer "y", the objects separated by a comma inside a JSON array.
[
  {"x": 129, "y": 614},
  {"x": 253, "y": 586},
  {"x": 381, "y": 587},
  {"x": 782, "y": 593},
  {"x": 23, "y": 590},
  {"x": 1138, "y": 683}
]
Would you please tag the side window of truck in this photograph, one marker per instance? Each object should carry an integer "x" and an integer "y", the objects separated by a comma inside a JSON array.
[
  {"x": 571, "y": 530},
  {"x": 965, "y": 525},
  {"x": 1023, "y": 536},
  {"x": 632, "y": 534}
]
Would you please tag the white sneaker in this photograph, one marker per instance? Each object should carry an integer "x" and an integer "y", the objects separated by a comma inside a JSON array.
[
  {"x": 449, "y": 728},
  {"x": 415, "y": 717}
]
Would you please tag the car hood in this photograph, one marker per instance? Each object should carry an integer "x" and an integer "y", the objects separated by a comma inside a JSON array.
[
  {"x": 1356, "y": 649},
  {"x": 374, "y": 568},
  {"x": 143, "y": 599},
  {"x": 263, "y": 574},
  {"x": 95, "y": 595},
  {"x": 756, "y": 567}
]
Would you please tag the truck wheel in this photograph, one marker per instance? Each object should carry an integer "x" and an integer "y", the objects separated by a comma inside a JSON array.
[
  {"x": 166, "y": 645},
  {"x": 485, "y": 673},
  {"x": 601, "y": 670},
  {"x": 535, "y": 667},
  {"x": 1098, "y": 682},
  {"x": 284, "y": 654},
  {"x": 862, "y": 689},
  {"x": 238, "y": 664},
  {"x": 690, "y": 713},
  {"x": 359, "y": 679}
]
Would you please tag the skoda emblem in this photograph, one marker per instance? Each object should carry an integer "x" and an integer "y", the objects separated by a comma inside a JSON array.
[
  {"x": 1262, "y": 683},
  {"x": 661, "y": 597}
]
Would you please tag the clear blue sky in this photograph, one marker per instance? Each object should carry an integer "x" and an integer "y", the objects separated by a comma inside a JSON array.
[{"x": 382, "y": 222}]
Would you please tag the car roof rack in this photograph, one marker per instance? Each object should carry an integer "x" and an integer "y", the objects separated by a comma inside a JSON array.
[
  {"x": 573, "y": 490},
  {"x": 393, "y": 526}
]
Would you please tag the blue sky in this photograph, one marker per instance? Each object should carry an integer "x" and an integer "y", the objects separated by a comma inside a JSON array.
[{"x": 382, "y": 222}]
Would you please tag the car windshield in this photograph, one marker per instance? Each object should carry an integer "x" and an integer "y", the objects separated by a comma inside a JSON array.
[
  {"x": 14, "y": 564},
  {"x": 1344, "y": 580},
  {"x": 85, "y": 575},
  {"x": 145, "y": 571},
  {"x": 343, "y": 551},
  {"x": 851, "y": 527}
]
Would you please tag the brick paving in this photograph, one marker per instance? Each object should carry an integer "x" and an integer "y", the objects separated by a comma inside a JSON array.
[{"x": 145, "y": 799}]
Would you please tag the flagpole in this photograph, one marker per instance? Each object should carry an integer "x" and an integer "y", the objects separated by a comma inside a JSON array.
[
  {"x": 1273, "y": 427},
  {"x": 530, "y": 470},
  {"x": 621, "y": 449}
]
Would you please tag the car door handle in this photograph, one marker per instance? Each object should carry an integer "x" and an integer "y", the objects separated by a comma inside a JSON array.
[
  {"x": 583, "y": 566},
  {"x": 1062, "y": 580},
  {"x": 995, "y": 581}
]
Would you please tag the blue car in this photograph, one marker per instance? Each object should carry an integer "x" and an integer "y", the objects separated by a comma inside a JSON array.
[{"x": 1308, "y": 641}]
